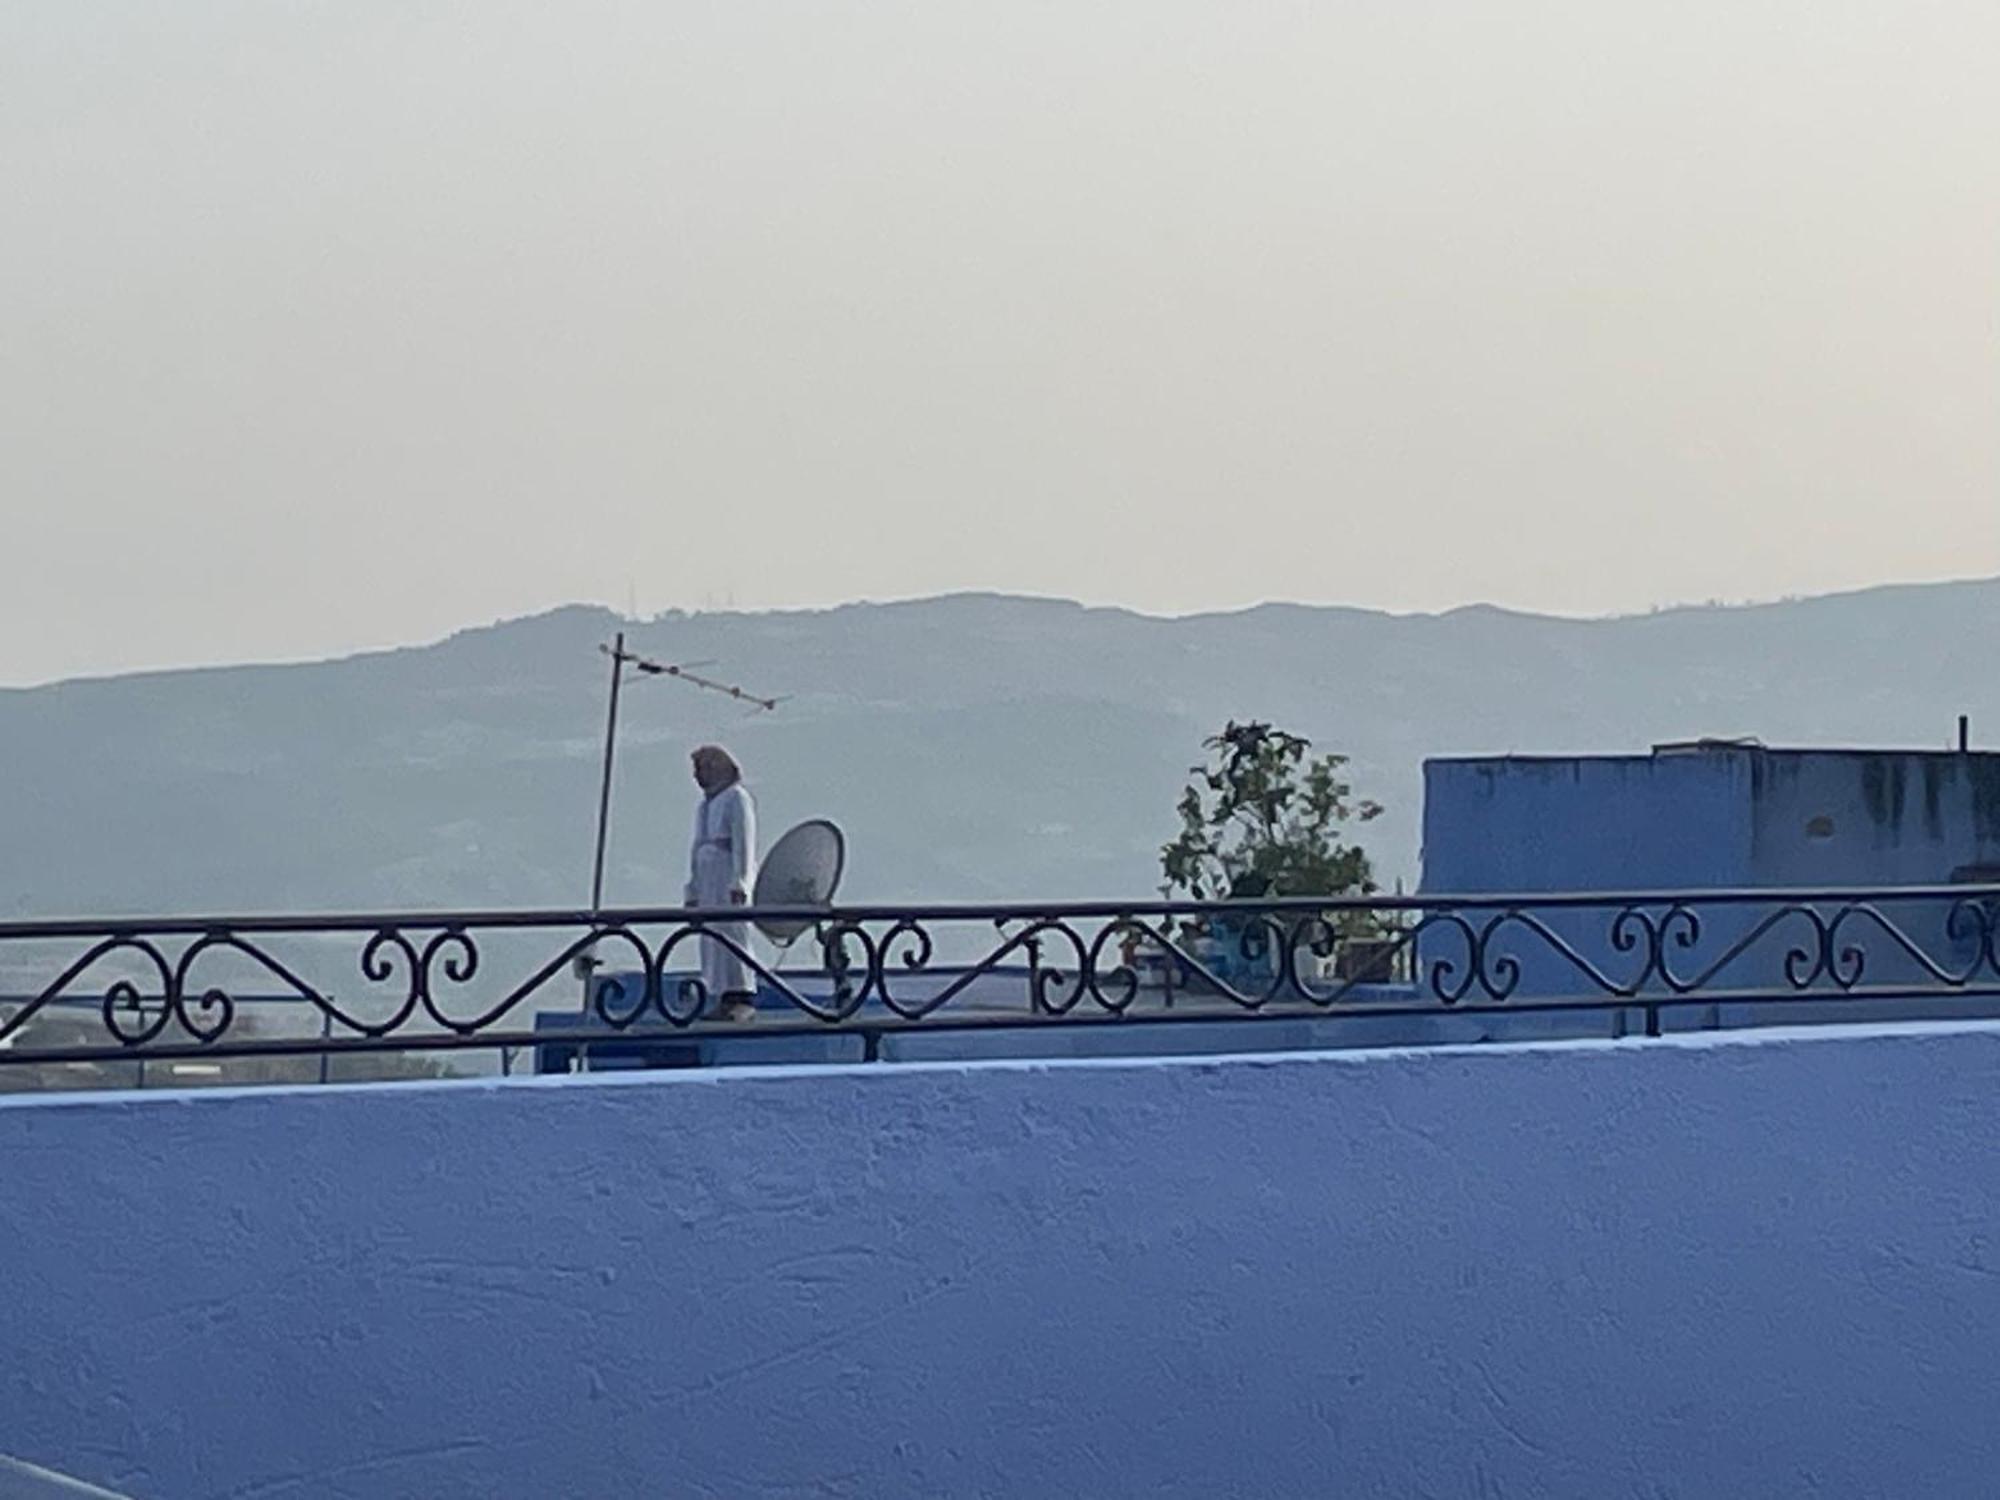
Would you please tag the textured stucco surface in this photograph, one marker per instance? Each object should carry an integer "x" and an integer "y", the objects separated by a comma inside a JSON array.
[{"x": 1737, "y": 1265}]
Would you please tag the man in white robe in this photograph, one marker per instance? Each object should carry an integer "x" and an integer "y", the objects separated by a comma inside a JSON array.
[{"x": 722, "y": 871}]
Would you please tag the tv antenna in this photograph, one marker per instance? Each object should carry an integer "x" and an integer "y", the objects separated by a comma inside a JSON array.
[{"x": 681, "y": 671}]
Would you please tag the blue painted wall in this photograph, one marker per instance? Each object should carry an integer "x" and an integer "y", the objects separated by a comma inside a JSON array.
[
  {"x": 1580, "y": 823},
  {"x": 1873, "y": 818},
  {"x": 1609, "y": 823},
  {"x": 1736, "y": 1266},
  {"x": 1718, "y": 817}
]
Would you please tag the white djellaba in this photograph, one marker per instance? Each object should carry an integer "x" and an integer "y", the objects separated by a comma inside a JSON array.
[{"x": 722, "y": 871}]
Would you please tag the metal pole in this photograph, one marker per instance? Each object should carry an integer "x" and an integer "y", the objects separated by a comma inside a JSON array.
[
  {"x": 604, "y": 792},
  {"x": 587, "y": 963}
]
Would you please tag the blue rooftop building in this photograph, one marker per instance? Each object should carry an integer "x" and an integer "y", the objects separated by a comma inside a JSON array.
[
  {"x": 1711, "y": 815},
  {"x": 1707, "y": 814}
]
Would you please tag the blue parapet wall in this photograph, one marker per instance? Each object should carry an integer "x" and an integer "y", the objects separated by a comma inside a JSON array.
[{"x": 1763, "y": 1264}]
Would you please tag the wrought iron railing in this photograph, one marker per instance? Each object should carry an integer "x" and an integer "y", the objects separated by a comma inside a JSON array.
[{"x": 171, "y": 987}]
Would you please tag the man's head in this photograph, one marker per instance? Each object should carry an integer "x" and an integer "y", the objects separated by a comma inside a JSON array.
[{"x": 715, "y": 768}]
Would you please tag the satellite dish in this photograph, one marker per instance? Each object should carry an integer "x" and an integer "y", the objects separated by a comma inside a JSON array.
[{"x": 802, "y": 869}]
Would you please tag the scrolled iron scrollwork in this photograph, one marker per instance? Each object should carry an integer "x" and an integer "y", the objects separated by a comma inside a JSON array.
[
  {"x": 1055, "y": 988},
  {"x": 120, "y": 994},
  {"x": 611, "y": 998},
  {"x": 1451, "y": 981},
  {"x": 905, "y": 948},
  {"x": 124, "y": 995},
  {"x": 686, "y": 999},
  {"x": 1318, "y": 935},
  {"x": 378, "y": 966},
  {"x": 460, "y": 965},
  {"x": 1977, "y": 921},
  {"x": 690, "y": 992},
  {"x": 1393, "y": 950},
  {"x": 449, "y": 980},
  {"x": 1115, "y": 986},
  {"x": 1849, "y": 960},
  {"x": 1501, "y": 976}
]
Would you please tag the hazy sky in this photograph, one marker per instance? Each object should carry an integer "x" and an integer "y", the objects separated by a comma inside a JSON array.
[{"x": 327, "y": 325}]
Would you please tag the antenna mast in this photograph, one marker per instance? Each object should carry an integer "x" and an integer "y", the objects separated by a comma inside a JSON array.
[{"x": 620, "y": 659}]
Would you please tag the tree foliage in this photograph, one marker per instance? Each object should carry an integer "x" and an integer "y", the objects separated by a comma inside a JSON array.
[{"x": 1264, "y": 816}]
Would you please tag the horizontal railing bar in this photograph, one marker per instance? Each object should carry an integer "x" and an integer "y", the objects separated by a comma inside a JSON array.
[{"x": 1019, "y": 911}]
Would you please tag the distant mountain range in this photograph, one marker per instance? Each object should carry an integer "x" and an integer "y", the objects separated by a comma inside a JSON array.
[{"x": 973, "y": 746}]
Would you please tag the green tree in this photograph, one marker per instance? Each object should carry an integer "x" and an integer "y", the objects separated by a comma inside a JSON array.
[{"x": 1263, "y": 816}]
